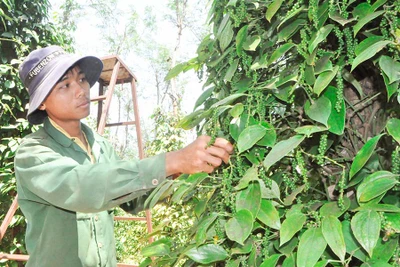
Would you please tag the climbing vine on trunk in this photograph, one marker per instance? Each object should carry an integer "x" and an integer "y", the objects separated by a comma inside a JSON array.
[{"x": 308, "y": 93}]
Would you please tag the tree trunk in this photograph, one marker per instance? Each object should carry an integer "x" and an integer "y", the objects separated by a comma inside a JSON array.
[{"x": 180, "y": 13}]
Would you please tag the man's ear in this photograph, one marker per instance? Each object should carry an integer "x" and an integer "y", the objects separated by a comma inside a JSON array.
[{"x": 42, "y": 106}]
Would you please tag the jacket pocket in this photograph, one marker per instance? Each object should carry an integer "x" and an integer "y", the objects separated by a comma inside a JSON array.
[{"x": 87, "y": 246}]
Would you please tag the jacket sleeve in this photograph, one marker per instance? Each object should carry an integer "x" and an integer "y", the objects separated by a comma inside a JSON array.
[
  {"x": 46, "y": 176},
  {"x": 135, "y": 205}
]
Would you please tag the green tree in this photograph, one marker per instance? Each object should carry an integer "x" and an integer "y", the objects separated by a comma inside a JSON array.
[
  {"x": 309, "y": 93},
  {"x": 24, "y": 26}
]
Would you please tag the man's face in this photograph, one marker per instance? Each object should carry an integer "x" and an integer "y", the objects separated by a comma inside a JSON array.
[{"x": 69, "y": 100}]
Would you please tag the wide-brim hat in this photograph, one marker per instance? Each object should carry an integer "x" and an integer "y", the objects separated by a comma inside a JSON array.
[{"x": 44, "y": 67}]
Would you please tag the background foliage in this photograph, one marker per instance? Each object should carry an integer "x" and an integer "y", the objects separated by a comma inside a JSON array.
[
  {"x": 171, "y": 221},
  {"x": 24, "y": 26},
  {"x": 308, "y": 92}
]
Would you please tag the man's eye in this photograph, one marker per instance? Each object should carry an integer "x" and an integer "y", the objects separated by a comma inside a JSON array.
[
  {"x": 65, "y": 85},
  {"x": 83, "y": 79}
]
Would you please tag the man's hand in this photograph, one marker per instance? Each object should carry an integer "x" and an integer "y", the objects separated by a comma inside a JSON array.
[{"x": 199, "y": 156}]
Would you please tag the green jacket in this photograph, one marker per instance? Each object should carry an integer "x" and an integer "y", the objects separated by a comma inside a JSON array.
[{"x": 67, "y": 199}]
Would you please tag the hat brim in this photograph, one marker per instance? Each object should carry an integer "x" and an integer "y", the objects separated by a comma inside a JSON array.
[{"x": 90, "y": 65}]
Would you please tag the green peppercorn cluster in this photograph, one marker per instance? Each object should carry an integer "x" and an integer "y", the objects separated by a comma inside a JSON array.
[
  {"x": 302, "y": 169},
  {"x": 313, "y": 10},
  {"x": 323, "y": 145},
  {"x": 238, "y": 13}
]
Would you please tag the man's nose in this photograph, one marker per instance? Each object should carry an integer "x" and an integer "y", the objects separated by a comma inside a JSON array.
[{"x": 79, "y": 88}]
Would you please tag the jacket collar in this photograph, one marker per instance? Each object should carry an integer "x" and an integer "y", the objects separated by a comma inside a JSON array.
[
  {"x": 58, "y": 136},
  {"x": 63, "y": 140},
  {"x": 93, "y": 140}
]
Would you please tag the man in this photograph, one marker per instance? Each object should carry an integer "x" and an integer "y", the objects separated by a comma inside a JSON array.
[{"x": 68, "y": 177}]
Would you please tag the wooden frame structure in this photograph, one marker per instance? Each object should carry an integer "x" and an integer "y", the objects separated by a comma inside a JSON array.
[{"x": 114, "y": 72}]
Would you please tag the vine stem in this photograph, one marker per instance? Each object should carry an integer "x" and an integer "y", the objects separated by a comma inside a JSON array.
[
  {"x": 361, "y": 104},
  {"x": 8, "y": 40},
  {"x": 324, "y": 157},
  {"x": 341, "y": 180},
  {"x": 318, "y": 191}
]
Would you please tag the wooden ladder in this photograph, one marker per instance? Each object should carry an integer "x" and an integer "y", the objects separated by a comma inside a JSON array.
[{"x": 114, "y": 72}]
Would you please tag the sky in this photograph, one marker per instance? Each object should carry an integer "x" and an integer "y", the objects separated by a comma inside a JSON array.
[{"x": 88, "y": 41}]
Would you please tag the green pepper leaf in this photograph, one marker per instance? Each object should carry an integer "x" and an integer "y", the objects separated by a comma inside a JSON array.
[
  {"x": 272, "y": 9},
  {"x": 269, "y": 215},
  {"x": 243, "y": 249},
  {"x": 172, "y": 73},
  {"x": 281, "y": 149},
  {"x": 393, "y": 220},
  {"x": 203, "y": 226},
  {"x": 352, "y": 246},
  {"x": 332, "y": 208},
  {"x": 226, "y": 36},
  {"x": 237, "y": 110},
  {"x": 249, "y": 199},
  {"x": 319, "y": 111},
  {"x": 379, "y": 207},
  {"x": 366, "y": 226},
  {"x": 376, "y": 263},
  {"x": 239, "y": 227},
  {"x": 250, "y": 175},
  {"x": 390, "y": 67},
  {"x": 348, "y": 77},
  {"x": 377, "y": 4},
  {"x": 323, "y": 64},
  {"x": 308, "y": 130},
  {"x": 385, "y": 250},
  {"x": 364, "y": 20},
  {"x": 333, "y": 234},
  {"x": 203, "y": 97},
  {"x": 393, "y": 128},
  {"x": 337, "y": 119},
  {"x": 251, "y": 43},
  {"x": 227, "y": 100},
  {"x": 339, "y": 19},
  {"x": 311, "y": 246},
  {"x": 324, "y": 79},
  {"x": 279, "y": 52},
  {"x": 369, "y": 51},
  {"x": 391, "y": 88},
  {"x": 250, "y": 136},
  {"x": 319, "y": 36},
  {"x": 231, "y": 70},
  {"x": 158, "y": 248},
  {"x": 291, "y": 225},
  {"x": 371, "y": 188},
  {"x": 271, "y": 260},
  {"x": 240, "y": 39},
  {"x": 194, "y": 118},
  {"x": 155, "y": 196},
  {"x": 271, "y": 191},
  {"x": 269, "y": 138},
  {"x": 288, "y": 31},
  {"x": 363, "y": 155},
  {"x": 207, "y": 254}
]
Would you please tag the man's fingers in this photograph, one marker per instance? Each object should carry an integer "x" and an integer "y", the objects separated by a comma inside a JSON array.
[
  {"x": 218, "y": 153},
  {"x": 224, "y": 144},
  {"x": 208, "y": 168},
  {"x": 200, "y": 156},
  {"x": 213, "y": 161}
]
